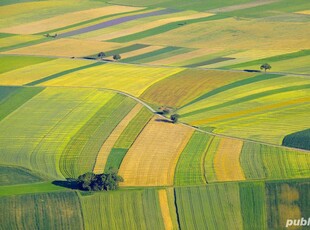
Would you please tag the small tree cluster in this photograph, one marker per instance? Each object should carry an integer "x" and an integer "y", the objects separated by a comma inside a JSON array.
[
  {"x": 174, "y": 118},
  {"x": 117, "y": 57},
  {"x": 99, "y": 182}
]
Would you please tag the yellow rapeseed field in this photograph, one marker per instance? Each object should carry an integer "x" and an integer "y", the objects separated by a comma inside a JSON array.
[
  {"x": 127, "y": 78},
  {"x": 152, "y": 159},
  {"x": 227, "y": 160},
  {"x": 32, "y": 73},
  {"x": 109, "y": 143}
]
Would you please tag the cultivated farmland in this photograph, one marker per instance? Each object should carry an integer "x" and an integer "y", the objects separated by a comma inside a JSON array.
[{"x": 167, "y": 101}]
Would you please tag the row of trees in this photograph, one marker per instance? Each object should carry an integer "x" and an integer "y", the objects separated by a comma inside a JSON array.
[
  {"x": 116, "y": 57},
  {"x": 99, "y": 182}
]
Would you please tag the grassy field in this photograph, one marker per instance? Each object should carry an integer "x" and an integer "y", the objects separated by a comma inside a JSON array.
[
  {"x": 253, "y": 206},
  {"x": 137, "y": 209},
  {"x": 43, "y": 214},
  {"x": 262, "y": 162},
  {"x": 11, "y": 175},
  {"x": 189, "y": 170},
  {"x": 213, "y": 207}
]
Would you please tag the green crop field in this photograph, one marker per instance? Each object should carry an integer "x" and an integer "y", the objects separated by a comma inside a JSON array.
[
  {"x": 189, "y": 169},
  {"x": 125, "y": 209},
  {"x": 234, "y": 155}
]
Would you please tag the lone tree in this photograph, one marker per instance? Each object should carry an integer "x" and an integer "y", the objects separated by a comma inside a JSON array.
[
  {"x": 117, "y": 57},
  {"x": 99, "y": 182},
  {"x": 265, "y": 67},
  {"x": 174, "y": 118},
  {"x": 101, "y": 55}
]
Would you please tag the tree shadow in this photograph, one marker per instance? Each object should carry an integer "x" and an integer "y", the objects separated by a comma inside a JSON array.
[
  {"x": 163, "y": 120},
  {"x": 69, "y": 183}
]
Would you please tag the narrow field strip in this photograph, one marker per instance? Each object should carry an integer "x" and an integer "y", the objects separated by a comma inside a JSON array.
[
  {"x": 248, "y": 112},
  {"x": 90, "y": 22},
  {"x": 17, "y": 98},
  {"x": 165, "y": 211},
  {"x": 209, "y": 62},
  {"x": 153, "y": 156},
  {"x": 134, "y": 128},
  {"x": 149, "y": 25},
  {"x": 251, "y": 79},
  {"x": 272, "y": 59},
  {"x": 80, "y": 154},
  {"x": 16, "y": 39},
  {"x": 130, "y": 48},
  {"x": 189, "y": 170},
  {"x": 37, "y": 73},
  {"x": 253, "y": 205},
  {"x": 160, "y": 29},
  {"x": 29, "y": 188},
  {"x": 249, "y": 98},
  {"x": 134, "y": 53},
  {"x": 143, "y": 57},
  {"x": 127, "y": 138},
  {"x": 66, "y": 19},
  {"x": 209, "y": 168},
  {"x": 66, "y": 47},
  {"x": 115, "y": 22},
  {"x": 9, "y": 63},
  {"x": 62, "y": 73},
  {"x": 166, "y": 54},
  {"x": 109, "y": 143},
  {"x": 24, "y": 44},
  {"x": 227, "y": 160}
]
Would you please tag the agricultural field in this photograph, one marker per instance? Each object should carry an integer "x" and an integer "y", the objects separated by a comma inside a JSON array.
[{"x": 165, "y": 102}]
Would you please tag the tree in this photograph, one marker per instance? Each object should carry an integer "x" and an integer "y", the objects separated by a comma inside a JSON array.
[
  {"x": 265, "y": 67},
  {"x": 117, "y": 57},
  {"x": 99, "y": 182},
  {"x": 174, "y": 118},
  {"x": 101, "y": 55}
]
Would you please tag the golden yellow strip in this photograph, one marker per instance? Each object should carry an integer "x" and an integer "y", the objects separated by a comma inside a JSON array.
[
  {"x": 152, "y": 159},
  {"x": 247, "y": 111},
  {"x": 227, "y": 160},
  {"x": 307, "y": 12},
  {"x": 106, "y": 148},
  {"x": 165, "y": 212}
]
